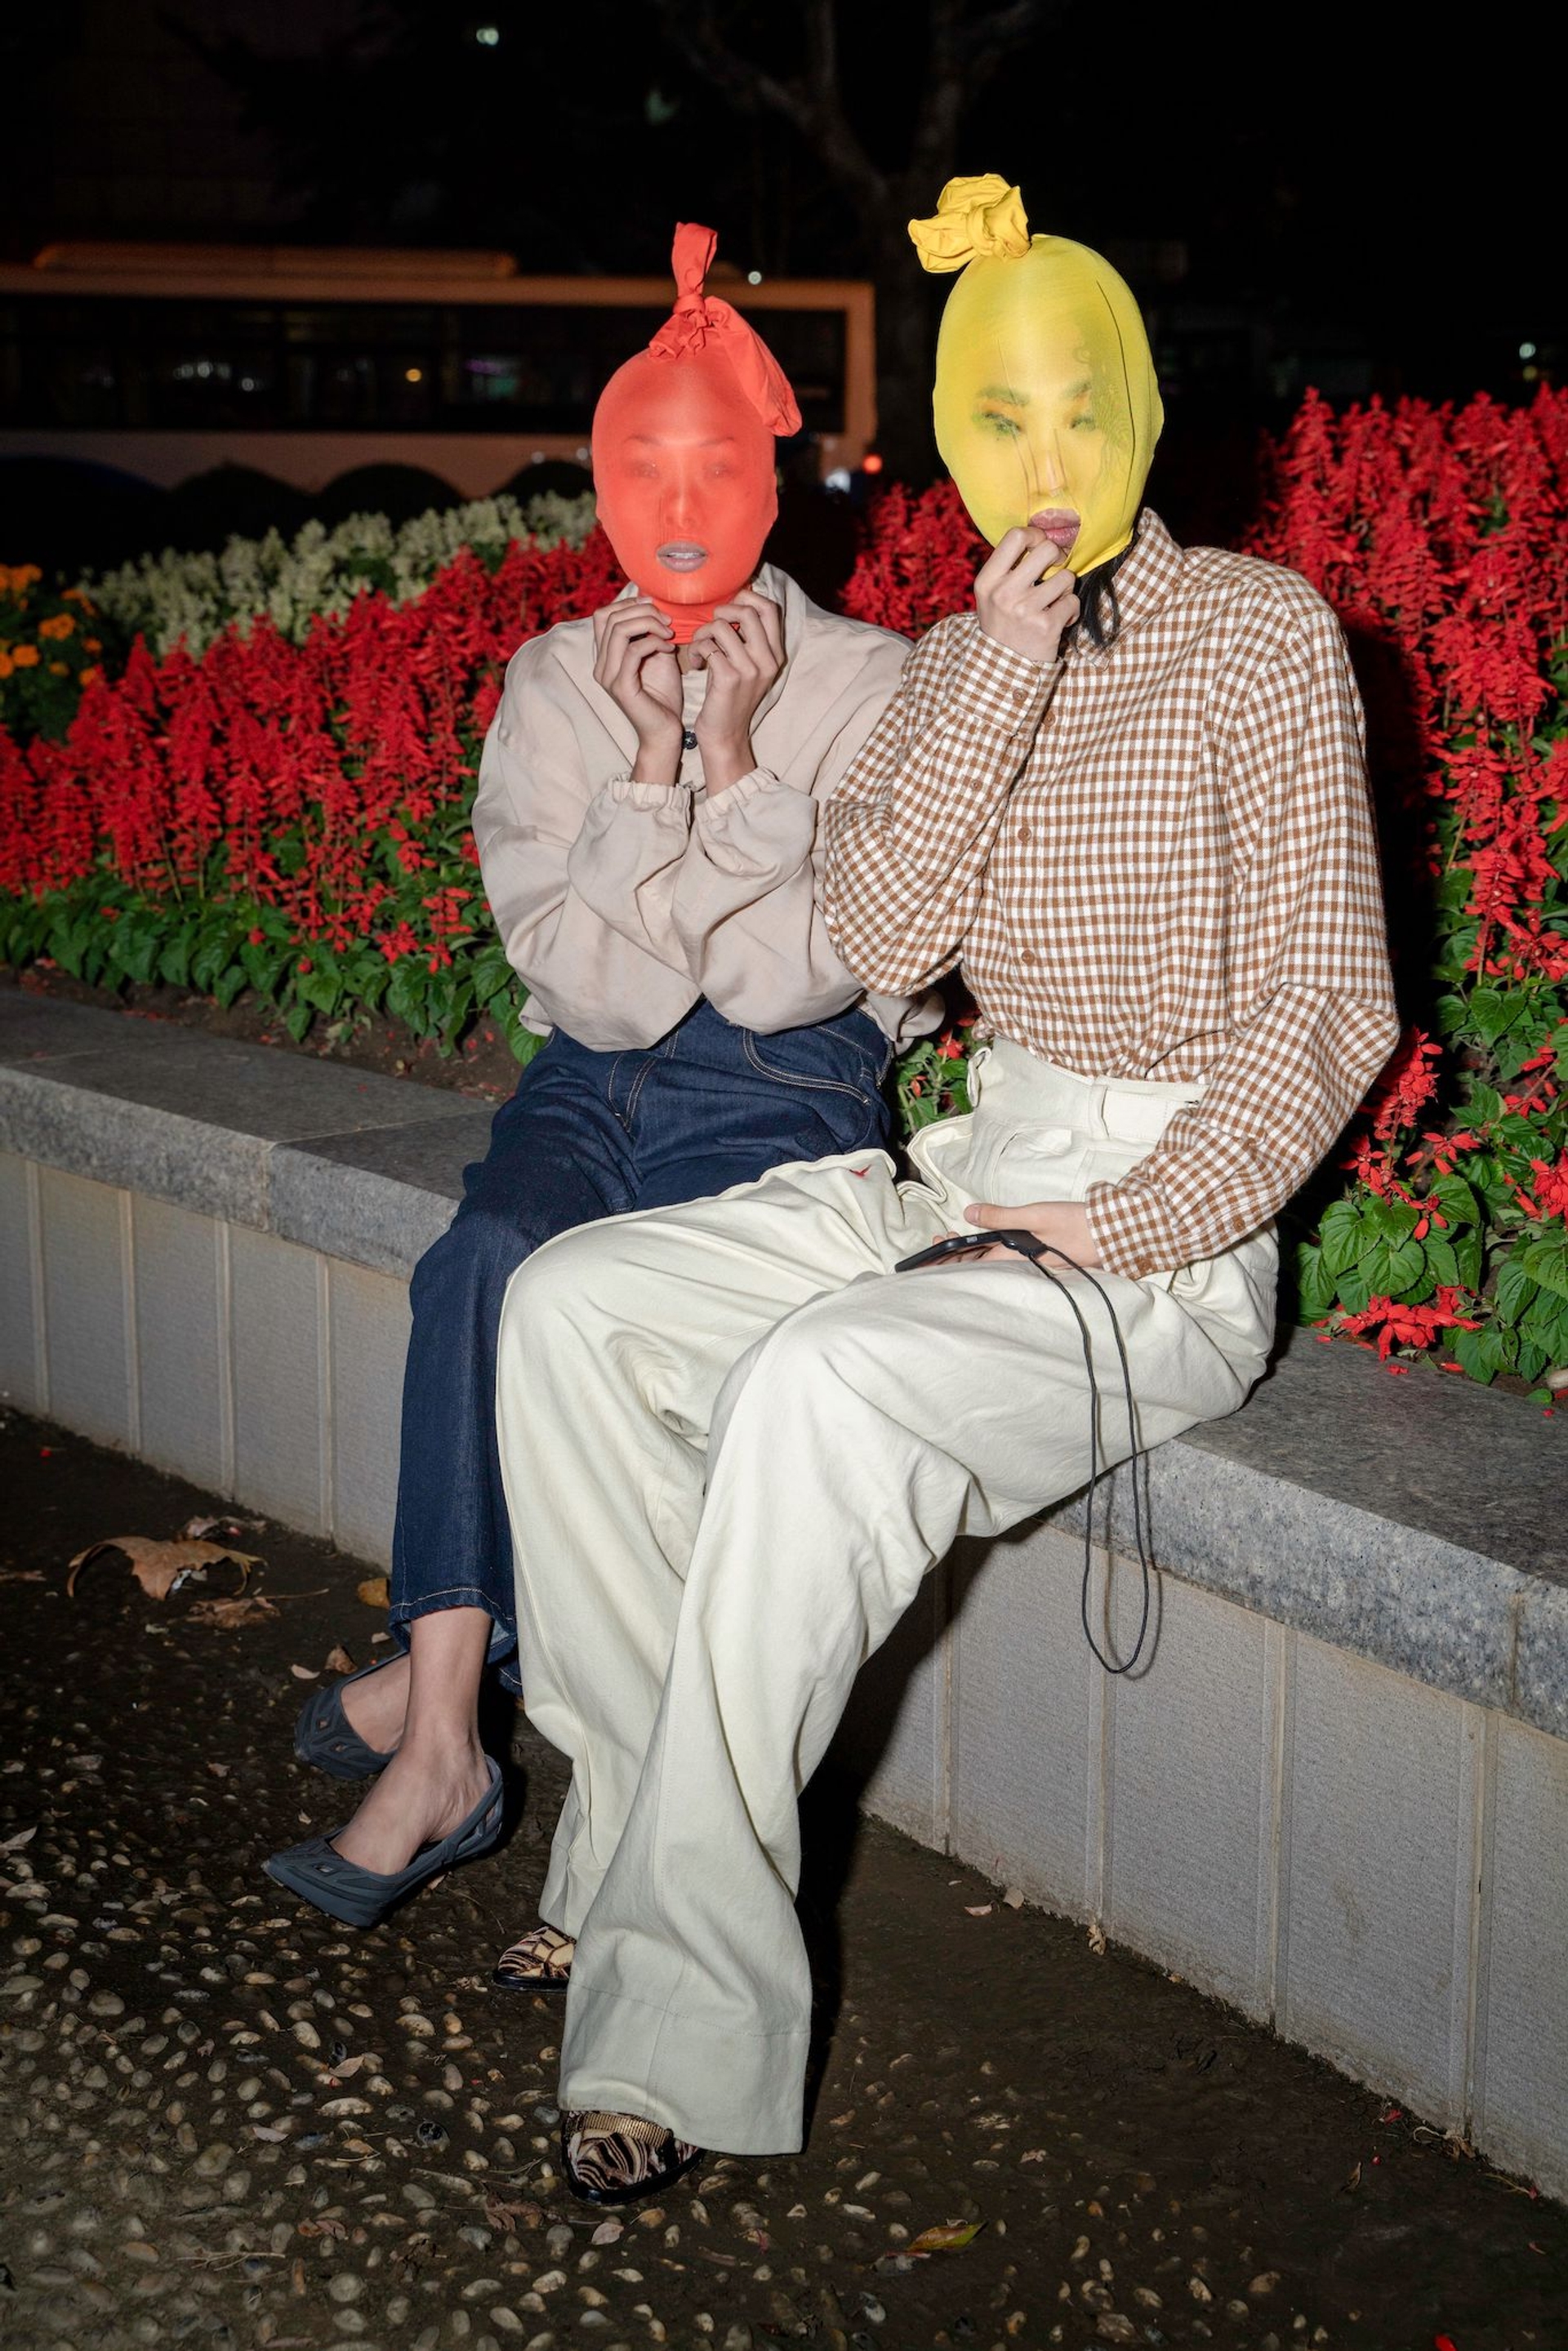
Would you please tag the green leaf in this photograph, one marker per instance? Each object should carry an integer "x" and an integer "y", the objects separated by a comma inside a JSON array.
[
  {"x": 228, "y": 984},
  {"x": 1316, "y": 1286},
  {"x": 1546, "y": 1261},
  {"x": 319, "y": 988},
  {"x": 263, "y": 965},
  {"x": 1406, "y": 1265},
  {"x": 1454, "y": 1197},
  {"x": 1469, "y": 1353},
  {"x": 1515, "y": 1289},
  {"x": 1395, "y": 1219},
  {"x": 215, "y": 947},
  {"x": 1355, "y": 1290},
  {"x": 1441, "y": 1259},
  {"x": 406, "y": 992},
  {"x": 175, "y": 962},
  {"x": 1469, "y": 1257},
  {"x": 1342, "y": 1236},
  {"x": 297, "y": 1020}
]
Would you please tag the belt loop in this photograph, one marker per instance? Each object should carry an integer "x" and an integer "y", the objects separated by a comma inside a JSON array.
[{"x": 1099, "y": 1125}]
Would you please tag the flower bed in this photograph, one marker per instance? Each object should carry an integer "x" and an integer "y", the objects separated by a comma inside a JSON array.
[
  {"x": 1438, "y": 536},
  {"x": 281, "y": 806}
]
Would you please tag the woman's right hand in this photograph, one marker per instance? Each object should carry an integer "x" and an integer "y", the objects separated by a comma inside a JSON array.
[
  {"x": 634, "y": 661},
  {"x": 1019, "y": 609}
]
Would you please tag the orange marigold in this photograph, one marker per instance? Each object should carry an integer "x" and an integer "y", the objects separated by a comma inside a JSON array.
[
  {"x": 23, "y": 656},
  {"x": 60, "y": 624}
]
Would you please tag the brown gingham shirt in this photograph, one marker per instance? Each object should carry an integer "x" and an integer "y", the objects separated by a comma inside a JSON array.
[{"x": 1152, "y": 860}]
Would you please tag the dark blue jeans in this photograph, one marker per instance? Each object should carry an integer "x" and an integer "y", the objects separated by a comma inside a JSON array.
[{"x": 589, "y": 1135}]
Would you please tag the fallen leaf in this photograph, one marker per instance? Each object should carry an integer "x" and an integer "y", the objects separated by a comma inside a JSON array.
[
  {"x": 1097, "y": 1939},
  {"x": 158, "y": 1566},
  {"x": 196, "y": 1528},
  {"x": 609, "y": 2232},
  {"x": 977, "y": 1909},
  {"x": 1354, "y": 2179},
  {"x": 323, "y": 2228},
  {"x": 347, "y": 2068},
  {"x": 1012, "y": 1900},
  {"x": 375, "y": 1591},
  {"x": 224, "y": 1614},
  {"x": 951, "y": 2237},
  {"x": 305, "y": 1673},
  {"x": 338, "y": 1660}
]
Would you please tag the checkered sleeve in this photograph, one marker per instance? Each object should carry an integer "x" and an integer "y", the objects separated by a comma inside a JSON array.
[
  {"x": 1310, "y": 986},
  {"x": 910, "y": 831}
]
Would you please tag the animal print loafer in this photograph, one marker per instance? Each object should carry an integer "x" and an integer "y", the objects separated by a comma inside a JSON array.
[
  {"x": 616, "y": 2159},
  {"x": 539, "y": 1960}
]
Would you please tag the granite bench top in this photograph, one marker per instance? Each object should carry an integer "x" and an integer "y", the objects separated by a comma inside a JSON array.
[{"x": 1419, "y": 1521}]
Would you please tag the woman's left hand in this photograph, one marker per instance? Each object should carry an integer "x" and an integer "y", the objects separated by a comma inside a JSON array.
[
  {"x": 1062, "y": 1224},
  {"x": 742, "y": 649}
]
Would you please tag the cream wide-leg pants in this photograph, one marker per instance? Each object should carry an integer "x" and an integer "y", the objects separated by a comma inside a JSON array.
[{"x": 734, "y": 1441}]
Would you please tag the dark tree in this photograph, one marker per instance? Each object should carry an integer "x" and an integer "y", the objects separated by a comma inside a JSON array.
[{"x": 965, "y": 44}]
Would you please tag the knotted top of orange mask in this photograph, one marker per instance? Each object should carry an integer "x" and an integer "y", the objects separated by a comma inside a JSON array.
[{"x": 700, "y": 321}]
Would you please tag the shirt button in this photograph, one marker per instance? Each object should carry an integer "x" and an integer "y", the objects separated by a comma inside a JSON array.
[
  {"x": 1026, "y": 954},
  {"x": 689, "y": 737},
  {"x": 1023, "y": 834}
]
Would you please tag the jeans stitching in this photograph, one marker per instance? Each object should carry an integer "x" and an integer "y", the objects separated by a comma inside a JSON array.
[{"x": 789, "y": 1078}]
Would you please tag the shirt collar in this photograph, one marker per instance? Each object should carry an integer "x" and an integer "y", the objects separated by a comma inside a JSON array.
[{"x": 1150, "y": 573}]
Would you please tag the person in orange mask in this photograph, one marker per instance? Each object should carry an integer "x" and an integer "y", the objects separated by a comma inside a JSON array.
[{"x": 647, "y": 820}]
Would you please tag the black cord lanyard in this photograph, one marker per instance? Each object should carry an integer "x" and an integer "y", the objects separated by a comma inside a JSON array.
[{"x": 1032, "y": 1250}]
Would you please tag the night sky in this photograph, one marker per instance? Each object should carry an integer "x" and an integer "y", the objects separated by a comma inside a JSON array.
[{"x": 1347, "y": 182}]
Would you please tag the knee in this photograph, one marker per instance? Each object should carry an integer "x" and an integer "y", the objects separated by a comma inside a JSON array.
[
  {"x": 550, "y": 1296},
  {"x": 474, "y": 1259}
]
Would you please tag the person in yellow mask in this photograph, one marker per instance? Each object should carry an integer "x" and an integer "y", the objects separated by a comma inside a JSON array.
[{"x": 1124, "y": 795}]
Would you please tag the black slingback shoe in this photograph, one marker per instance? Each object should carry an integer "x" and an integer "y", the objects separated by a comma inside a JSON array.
[
  {"x": 317, "y": 1872},
  {"x": 325, "y": 1738}
]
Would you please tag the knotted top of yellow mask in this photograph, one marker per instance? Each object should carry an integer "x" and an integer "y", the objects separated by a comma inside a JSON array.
[
  {"x": 981, "y": 218},
  {"x": 1046, "y": 402}
]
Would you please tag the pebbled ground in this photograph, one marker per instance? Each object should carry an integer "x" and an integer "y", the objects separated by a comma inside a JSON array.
[{"x": 224, "y": 2121}]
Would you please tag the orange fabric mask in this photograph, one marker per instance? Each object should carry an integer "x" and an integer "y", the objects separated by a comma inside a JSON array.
[{"x": 683, "y": 450}]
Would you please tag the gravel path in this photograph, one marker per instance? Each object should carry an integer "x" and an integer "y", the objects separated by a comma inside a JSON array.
[{"x": 223, "y": 2120}]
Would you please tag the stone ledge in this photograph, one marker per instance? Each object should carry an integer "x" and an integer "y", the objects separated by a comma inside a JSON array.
[
  {"x": 215, "y": 1127},
  {"x": 1417, "y": 1521}
]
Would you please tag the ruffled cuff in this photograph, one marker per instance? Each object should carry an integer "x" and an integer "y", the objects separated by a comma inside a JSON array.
[{"x": 672, "y": 801}]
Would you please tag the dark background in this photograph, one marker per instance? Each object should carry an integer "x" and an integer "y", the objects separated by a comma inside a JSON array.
[{"x": 1354, "y": 199}]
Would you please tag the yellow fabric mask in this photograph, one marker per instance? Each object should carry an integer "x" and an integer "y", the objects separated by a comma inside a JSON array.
[{"x": 1046, "y": 402}]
